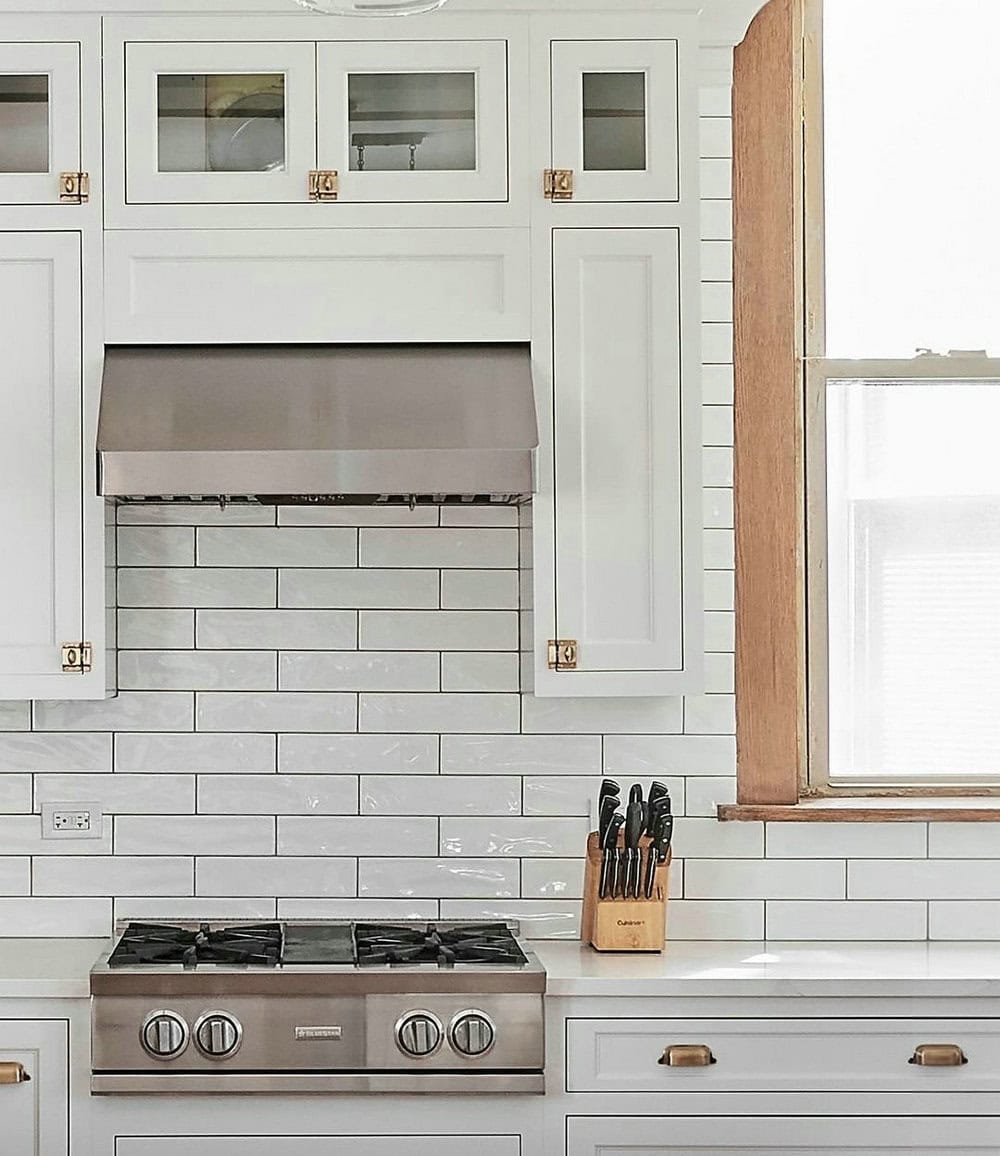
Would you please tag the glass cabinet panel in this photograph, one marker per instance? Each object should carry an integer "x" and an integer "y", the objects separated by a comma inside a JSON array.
[
  {"x": 615, "y": 118},
  {"x": 24, "y": 124},
  {"x": 414, "y": 121},
  {"x": 220, "y": 123}
]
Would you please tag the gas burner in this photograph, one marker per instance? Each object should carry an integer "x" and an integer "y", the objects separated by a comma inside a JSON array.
[
  {"x": 156, "y": 944},
  {"x": 380, "y": 944}
]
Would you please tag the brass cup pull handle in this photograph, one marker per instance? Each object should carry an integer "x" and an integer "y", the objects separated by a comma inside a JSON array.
[
  {"x": 687, "y": 1056},
  {"x": 12, "y": 1073},
  {"x": 938, "y": 1056}
]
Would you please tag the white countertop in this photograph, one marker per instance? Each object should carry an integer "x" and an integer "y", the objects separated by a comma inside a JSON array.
[
  {"x": 59, "y": 969},
  {"x": 776, "y": 969}
]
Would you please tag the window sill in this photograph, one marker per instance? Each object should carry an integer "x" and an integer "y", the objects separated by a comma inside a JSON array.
[{"x": 867, "y": 810}]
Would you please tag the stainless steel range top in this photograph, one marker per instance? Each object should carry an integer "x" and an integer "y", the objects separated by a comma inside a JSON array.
[{"x": 322, "y": 1006}]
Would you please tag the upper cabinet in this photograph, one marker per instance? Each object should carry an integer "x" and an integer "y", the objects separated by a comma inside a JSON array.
[
  {"x": 615, "y": 120},
  {"x": 39, "y": 121}
]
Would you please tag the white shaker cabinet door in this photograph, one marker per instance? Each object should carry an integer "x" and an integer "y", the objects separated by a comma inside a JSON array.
[
  {"x": 39, "y": 120},
  {"x": 34, "y": 1089},
  {"x": 625, "y": 421},
  {"x": 41, "y": 581}
]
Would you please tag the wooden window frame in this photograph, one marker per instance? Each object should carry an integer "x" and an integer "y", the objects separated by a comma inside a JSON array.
[{"x": 771, "y": 326}]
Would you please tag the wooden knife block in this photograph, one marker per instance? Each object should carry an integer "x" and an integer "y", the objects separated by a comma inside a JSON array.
[{"x": 623, "y": 924}]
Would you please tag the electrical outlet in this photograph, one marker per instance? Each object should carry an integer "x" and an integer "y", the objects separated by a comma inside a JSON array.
[{"x": 72, "y": 821}]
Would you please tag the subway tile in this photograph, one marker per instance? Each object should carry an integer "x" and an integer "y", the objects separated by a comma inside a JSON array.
[
  {"x": 656, "y": 755},
  {"x": 197, "y": 588},
  {"x": 173, "y": 753},
  {"x": 719, "y": 550},
  {"x": 601, "y": 715},
  {"x": 482, "y": 671},
  {"x": 275, "y": 875},
  {"x": 716, "y": 261},
  {"x": 577, "y": 795},
  {"x": 764, "y": 879},
  {"x": 838, "y": 920},
  {"x": 480, "y": 549},
  {"x": 277, "y": 711},
  {"x": 368, "y": 835},
  {"x": 921, "y": 879},
  {"x": 847, "y": 840},
  {"x": 704, "y": 796},
  {"x": 197, "y": 670},
  {"x": 720, "y": 631},
  {"x": 194, "y": 835},
  {"x": 155, "y": 629},
  {"x": 720, "y": 674},
  {"x": 551, "y": 878},
  {"x": 521, "y": 754},
  {"x": 717, "y": 388},
  {"x": 180, "y": 908},
  {"x": 719, "y": 589},
  {"x": 710, "y": 839},
  {"x": 715, "y": 136},
  {"x": 120, "y": 793},
  {"x": 357, "y": 516},
  {"x": 128, "y": 711},
  {"x": 479, "y": 589},
  {"x": 439, "y": 878},
  {"x": 962, "y": 841},
  {"x": 440, "y": 795},
  {"x": 55, "y": 752},
  {"x": 438, "y": 630},
  {"x": 384, "y": 909},
  {"x": 15, "y": 793},
  {"x": 480, "y": 515},
  {"x": 359, "y": 754},
  {"x": 435, "y": 713},
  {"x": 277, "y": 794},
  {"x": 538, "y": 918},
  {"x": 519, "y": 837},
  {"x": 716, "y": 218},
  {"x": 22, "y": 835},
  {"x": 717, "y": 509},
  {"x": 716, "y": 426},
  {"x": 15, "y": 875},
  {"x": 193, "y": 514},
  {"x": 716, "y": 178},
  {"x": 709, "y": 714},
  {"x": 716, "y": 342},
  {"x": 715, "y": 100},
  {"x": 964, "y": 920},
  {"x": 718, "y": 919},
  {"x": 277, "y": 629},
  {"x": 155, "y": 546},
  {"x": 358, "y": 670},
  {"x": 717, "y": 467},
  {"x": 716, "y": 300},
  {"x": 34, "y": 918},
  {"x": 359, "y": 589},
  {"x": 277, "y": 546},
  {"x": 15, "y": 716},
  {"x": 114, "y": 875}
]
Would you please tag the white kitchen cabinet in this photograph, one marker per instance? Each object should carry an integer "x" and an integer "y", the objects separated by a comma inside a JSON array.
[
  {"x": 39, "y": 120},
  {"x": 617, "y": 568},
  {"x": 616, "y": 118},
  {"x": 41, "y": 465},
  {"x": 343, "y": 1145},
  {"x": 34, "y": 1113},
  {"x": 412, "y": 121},
  {"x": 219, "y": 122}
]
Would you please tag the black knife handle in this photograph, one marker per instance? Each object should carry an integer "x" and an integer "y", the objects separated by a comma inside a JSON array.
[{"x": 652, "y": 862}]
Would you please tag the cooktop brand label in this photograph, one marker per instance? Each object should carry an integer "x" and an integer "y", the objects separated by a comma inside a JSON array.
[{"x": 319, "y": 1033}]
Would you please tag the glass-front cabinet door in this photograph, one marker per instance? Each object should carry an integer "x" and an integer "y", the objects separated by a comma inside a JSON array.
[
  {"x": 39, "y": 120},
  {"x": 219, "y": 123},
  {"x": 615, "y": 118},
  {"x": 414, "y": 121}
]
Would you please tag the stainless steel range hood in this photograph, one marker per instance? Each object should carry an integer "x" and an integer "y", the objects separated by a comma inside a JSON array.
[{"x": 318, "y": 423}]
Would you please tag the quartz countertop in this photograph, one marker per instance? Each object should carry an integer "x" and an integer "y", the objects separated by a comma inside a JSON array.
[{"x": 47, "y": 968}]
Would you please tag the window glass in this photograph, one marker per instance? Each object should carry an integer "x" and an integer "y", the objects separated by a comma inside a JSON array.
[
  {"x": 614, "y": 121},
  {"x": 24, "y": 124}
]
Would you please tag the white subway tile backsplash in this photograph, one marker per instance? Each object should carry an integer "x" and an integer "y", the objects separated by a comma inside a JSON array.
[
  {"x": 248, "y": 877},
  {"x": 358, "y": 670},
  {"x": 715, "y": 919},
  {"x": 710, "y": 714},
  {"x": 15, "y": 793},
  {"x": 276, "y": 629},
  {"x": 186, "y": 907},
  {"x": 710, "y": 839},
  {"x": 438, "y": 630},
  {"x": 524, "y": 838},
  {"x": 551, "y": 878},
  {"x": 277, "y": 794},
  {"x": 128, "y": 711},
  {"x": 921, "y": 879},
  {"x": 480, "y": 671},
  {"x": 655, "y": 755},
  {"x": 120, "y": 793},
  {"x": 156, "y": 629},
  {"x": 479, "y": 549},
  {"x": 964, "y": 841},
  {"x": 358, "y": 589},
  {"x": 277, "y": 546},
  {"x": 161, "y": 587},
  {"x": 155, "y": 546},
  {"x": 764, "y": 879},
  {"x": 359, "y": 754},
  {"x": 439, "y": 878},
  {"x": 193, "y": 514},
  {"x": 197, "y": 753},
  {"x": 15, "y": 875},
  {"x": 197, "y": 670},
  {"x": 479, "y": 589},
  {"x": 472, "y": 515},
  {"x": 521, "y": 754},
  {"x": 15, "y": 716},
  {"x": 114, "y": 875},
  {"x": 438, "y": 713},
  {"x": 601, "y": 715},
  {"x": 718, "y": 509},
  {"x": 838, "y": 919},
  {"x": 357, "y": 516},
  {"x": 22, "y": 835},
  {"x": 847, "y": 840},
  {"x": 55, "y": 752},
  {"x": 440, "y": 795},
  {"x": 369, "y": 835},
  {"x": 194, "y": 835},
  {"x": 40, "y": 918},
  {"x": 717, "y": 389},
  {"x": 716, "y": 136},
  {"x": 539, "y": 918},
  {"x": 388, "y": 909},
  {"x": 704, "y": 796},
  {"x": 277, "y": 711},
  {"x": 964, "y": 919}
]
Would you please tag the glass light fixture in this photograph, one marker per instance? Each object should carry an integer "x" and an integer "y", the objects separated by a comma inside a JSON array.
[{"x": 372, "y": 7}]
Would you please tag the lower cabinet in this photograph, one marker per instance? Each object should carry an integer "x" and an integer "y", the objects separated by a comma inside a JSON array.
[
  {"x": 803, "y": 1136},
  {"x": 317, "y": 1145},
  {"x": 34, "y": 1088}
]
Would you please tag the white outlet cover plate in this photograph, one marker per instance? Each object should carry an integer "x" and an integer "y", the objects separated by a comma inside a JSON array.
[{"x": 49, "y": 830}]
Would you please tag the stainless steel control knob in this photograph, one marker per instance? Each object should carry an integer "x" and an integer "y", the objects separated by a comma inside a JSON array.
[
  {"x": 164, "y": 1034},
  {"x": 217, "y": 1035},
  {"x": 419, "y": 1034},
  {"x": 472, "y": 1033}
]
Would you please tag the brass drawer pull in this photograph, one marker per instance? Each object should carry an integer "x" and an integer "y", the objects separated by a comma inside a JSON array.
[
  {"x": 939, "y": 1056},
  {"x": 13, "y": 1074},
  {"x": 687, "y": 1056}
]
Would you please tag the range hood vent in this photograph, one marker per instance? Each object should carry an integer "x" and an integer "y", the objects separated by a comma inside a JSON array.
[{"x": 318, "y": 424}]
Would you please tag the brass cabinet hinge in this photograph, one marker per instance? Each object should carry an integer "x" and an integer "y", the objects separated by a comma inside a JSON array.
[
  {"x": 324, "y": 185},
  {"x": 77, "y": 657},
  {"x": 74, "y": 188},
  {"x": 558, "y": 184},
  {"x": 562, "y": 654}
]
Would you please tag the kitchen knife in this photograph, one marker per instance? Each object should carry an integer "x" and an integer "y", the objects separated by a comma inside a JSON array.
[
  {"x": 658, "y": 791},
  {"x": 657, "y": 807},
  {"x": 656, "y": 853},
  {"x": 608, "y": 787},
  {"x": 633, "y": 832},
  {"x": 609, "y": 862},
  {"x": 608, "y": 808}
]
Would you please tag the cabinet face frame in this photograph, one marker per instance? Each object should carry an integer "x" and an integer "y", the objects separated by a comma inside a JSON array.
[
  {"x": 61, "y": 64},
  {"x": 486, "y": 60},
  {"x": 146, "y": 184},
  {"x": 657, "y": 61},
  {"x": 36, "y": 1113}
]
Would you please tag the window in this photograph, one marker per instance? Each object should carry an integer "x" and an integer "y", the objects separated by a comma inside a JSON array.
[{"x": 879, "y": 661}]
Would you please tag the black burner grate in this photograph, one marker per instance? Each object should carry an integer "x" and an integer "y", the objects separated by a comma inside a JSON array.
[
  {"x": 152, "y": 944},
  {"x": 401, "y": 945}
]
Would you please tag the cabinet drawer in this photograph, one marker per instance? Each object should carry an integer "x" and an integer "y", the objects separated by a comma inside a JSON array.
[
  {"x": 712, "y": 1136},
  {"x": 780, "y": 1055},
  {"x": 34, "y": 1115},
  {"x": 316, "y": 1145}
]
